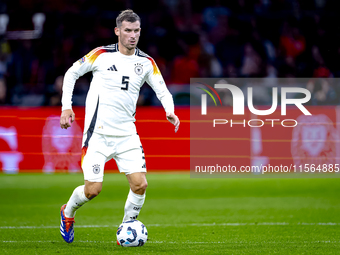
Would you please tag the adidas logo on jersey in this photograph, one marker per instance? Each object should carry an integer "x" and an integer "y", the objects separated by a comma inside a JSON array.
[{"x": 112, "y": 68}]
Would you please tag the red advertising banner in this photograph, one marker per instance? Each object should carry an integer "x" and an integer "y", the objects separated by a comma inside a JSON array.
[
  {"x": 31, "y": 140},
  {"x": 222, "y": 143}
]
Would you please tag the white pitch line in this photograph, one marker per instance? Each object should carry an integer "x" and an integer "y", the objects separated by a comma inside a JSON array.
[
  {"x": 37, "y": 227},
  {"x": 231, "y": 224},
  {"x": 168, "y": 242}
]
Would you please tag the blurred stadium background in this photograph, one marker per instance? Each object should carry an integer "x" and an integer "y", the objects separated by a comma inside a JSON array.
[
  {"x": 239, "y": 38},
  {"x": 39, "y": 41}
]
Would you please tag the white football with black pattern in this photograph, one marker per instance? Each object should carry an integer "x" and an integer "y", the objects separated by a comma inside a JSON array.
[{"x": 132, "y": 233}]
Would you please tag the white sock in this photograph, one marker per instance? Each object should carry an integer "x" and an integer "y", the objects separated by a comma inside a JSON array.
[
  {"x": 76, "y": 200},
  {"x": 133, "y": 206}
]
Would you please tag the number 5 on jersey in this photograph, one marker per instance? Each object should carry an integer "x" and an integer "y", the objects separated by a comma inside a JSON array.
[{"x": 125, "y": 81}]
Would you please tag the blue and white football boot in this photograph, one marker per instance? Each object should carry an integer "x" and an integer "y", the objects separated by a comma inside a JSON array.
[{"x": 66, "y": 226}]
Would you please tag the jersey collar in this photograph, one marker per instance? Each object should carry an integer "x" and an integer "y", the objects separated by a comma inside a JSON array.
[{"x": 136, "y": 50}]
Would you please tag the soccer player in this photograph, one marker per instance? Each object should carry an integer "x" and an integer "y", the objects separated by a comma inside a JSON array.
[{"x": 119, "y": 70}]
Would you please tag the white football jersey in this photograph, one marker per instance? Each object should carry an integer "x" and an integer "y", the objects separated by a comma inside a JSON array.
[{"x": 114, "y": 90}]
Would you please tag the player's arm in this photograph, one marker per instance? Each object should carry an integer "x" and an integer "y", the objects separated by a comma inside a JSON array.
[
  {"x": 156, "y": 82},
  {"x": 78, "y": 69}
]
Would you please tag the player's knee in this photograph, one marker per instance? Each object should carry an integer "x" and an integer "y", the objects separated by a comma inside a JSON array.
[
  {"x": 144, "y": 186},
  {"x": 139, "y": 188}
]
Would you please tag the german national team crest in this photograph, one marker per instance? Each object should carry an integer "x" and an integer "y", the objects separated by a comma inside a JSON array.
[
  {"x": 138, "y": 69},
  {"x": 96, "y": 169}
]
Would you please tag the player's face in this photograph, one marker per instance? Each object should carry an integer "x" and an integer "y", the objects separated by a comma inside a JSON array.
[{"x": 128, "y": 34}]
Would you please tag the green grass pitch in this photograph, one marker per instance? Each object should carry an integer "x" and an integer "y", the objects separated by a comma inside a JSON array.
[{"x": 182, "y": 215}]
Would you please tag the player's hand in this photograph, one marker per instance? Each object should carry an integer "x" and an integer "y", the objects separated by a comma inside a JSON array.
[
  {"x": 66, "y": 119},
  {"x": 173, "y": 119}
]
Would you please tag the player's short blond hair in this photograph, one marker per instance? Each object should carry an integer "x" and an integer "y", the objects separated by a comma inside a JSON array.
[{"x": 127, "y": 15}]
